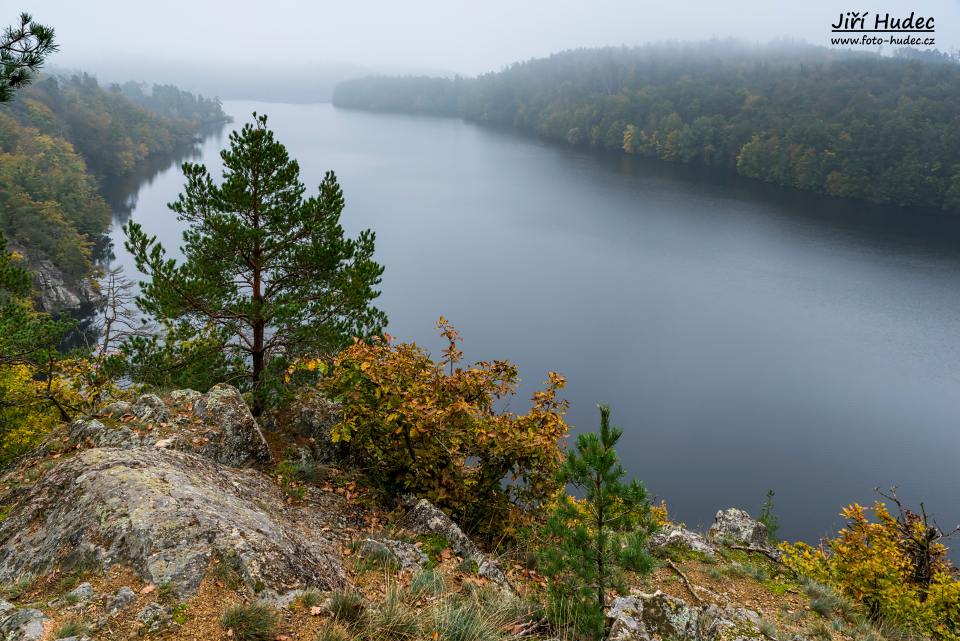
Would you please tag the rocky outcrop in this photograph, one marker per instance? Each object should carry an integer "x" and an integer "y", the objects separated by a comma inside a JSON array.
[
  {"x": 651, "y": 617},
  {"x": 150, "y": 408},
  {"x": 185, "y": 397},
  {"x": 313, "y": 415},
  {"x": 22, "y": 625},
  {"x": 167, "y": 515},
  {"x": 80, "y": 594},
  {"x": 674, "y": 536},
  {"x": 734, "y": 525},
  {"x": 407, "y": 556},
  {"x": 217, "y": 425},
  {"x": 238, "y": 439},
  {"x": 426, "y": 518},
  {"x": 57, "y": 292}
]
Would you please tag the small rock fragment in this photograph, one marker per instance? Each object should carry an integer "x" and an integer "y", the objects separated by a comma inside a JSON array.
[
  {"x": 155, "y": 617},
  {"x": 151, "y": 408},
  {"x": 124, "y": 597},
  {"x": 81, "y": 594}
]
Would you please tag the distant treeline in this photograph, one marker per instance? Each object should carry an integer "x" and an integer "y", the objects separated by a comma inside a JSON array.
[
  {"x": 58, "y": 138},
  {"x": 171, "y": 102},
  {"x": 881, "y": 129}
]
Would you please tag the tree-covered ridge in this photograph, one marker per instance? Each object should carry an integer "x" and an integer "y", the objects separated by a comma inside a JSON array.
[
  {"x": 56, "y": 140},
  {"x": 49, "y": 205},
  {"x": 172, "y": 102},
  {"x": 881, "y": 129},
  {"x": 108, "y": 130}
]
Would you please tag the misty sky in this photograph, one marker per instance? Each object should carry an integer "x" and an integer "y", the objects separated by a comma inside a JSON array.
[{"x": 460, "y": 36}]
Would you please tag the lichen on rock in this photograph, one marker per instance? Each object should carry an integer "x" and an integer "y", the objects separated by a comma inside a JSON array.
[
  {"x": 426, "y": 518},
  {"x": 167, "y": 515},
  {"x": 674, "y": 536},
  {"x": 237, "y": 439},
  {"x": 650, "y": 617},
  {"x": 734, "y": 525}
]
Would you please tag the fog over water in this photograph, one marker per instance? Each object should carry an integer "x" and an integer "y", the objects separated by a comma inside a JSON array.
[
  {"x": 747, "y": 337},
  {"x": 249, "y": 48}
]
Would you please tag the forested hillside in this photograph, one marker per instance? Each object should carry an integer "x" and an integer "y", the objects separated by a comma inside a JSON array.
[
  {"x": 57, "y": 140},
  {"x": 885, "y": 130},
  {"x": 172, "y": 102}
]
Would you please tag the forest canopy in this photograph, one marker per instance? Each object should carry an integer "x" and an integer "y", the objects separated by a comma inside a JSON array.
[
  {"x": 58, "y": 139},
  {"x": 880, "y": 129}
]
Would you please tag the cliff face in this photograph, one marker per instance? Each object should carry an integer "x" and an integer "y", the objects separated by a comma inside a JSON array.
[{"x": 58, "y": 293}]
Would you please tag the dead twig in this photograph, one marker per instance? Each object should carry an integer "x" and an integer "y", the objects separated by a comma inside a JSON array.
[{"x": 686, "y": 581}]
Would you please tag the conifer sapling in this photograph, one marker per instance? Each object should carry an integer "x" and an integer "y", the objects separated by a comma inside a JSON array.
[{"x": 594, "y": 540}]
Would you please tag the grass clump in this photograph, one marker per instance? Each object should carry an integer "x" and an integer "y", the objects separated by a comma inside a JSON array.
[
  {"x": 427, "y": 581},
  {"x": 16, "y": 589},
  {"x": 302, "y": 470},
  {"x": 332, "y": 632},
  {"x": 824, "y": 600},
  {"x": 228, "y": 571},
  {"x": 472, "y": 619},
  {"x": 769, "y": 630},
  {"x": 346, "y": 607},
  {"x": 72, "y": 628},
  {"x": 310, "y": 599},
  {"x": 255, "y": 622},
  {"x": 394, "y": 619}
]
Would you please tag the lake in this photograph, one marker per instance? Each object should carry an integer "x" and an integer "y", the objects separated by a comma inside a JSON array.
[{"x": 746, "y": 337}]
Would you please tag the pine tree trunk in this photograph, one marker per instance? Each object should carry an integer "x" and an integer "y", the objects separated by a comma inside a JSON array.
[
  {"x": 601, "y": 588},
  {"x": 258, "y": 367},
  {"x": 258, "y": 322}
]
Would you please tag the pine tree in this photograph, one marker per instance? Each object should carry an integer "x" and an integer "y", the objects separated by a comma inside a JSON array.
[
  {"x": 769, "y": 518},
  {"x": 266, "y": 268},
  {"x": 23, "y": 49},
  {"x": 595, "y": 539}
]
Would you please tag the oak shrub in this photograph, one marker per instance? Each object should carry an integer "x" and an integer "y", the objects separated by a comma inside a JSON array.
[
  {"x": 433, "y": 429},
  {"x": 876, "y": 563}
]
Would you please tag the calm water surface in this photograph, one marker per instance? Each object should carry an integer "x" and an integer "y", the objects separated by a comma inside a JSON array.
[{"x": 747, "y": 338}]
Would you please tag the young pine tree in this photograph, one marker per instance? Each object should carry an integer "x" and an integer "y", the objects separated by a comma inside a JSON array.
[
  {"x": 265, "y": 268},
  {"x": 595, "y": 539},
  {"x": 769, "y": 518}
]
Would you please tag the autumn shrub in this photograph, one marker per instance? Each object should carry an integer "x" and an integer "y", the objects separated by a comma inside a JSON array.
[
  {"x": 434, "y": 429},
  {"x": 39, "y": 384},
  {"x": 23, "y": 419},
  {"x": 894, "y": 566}
]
